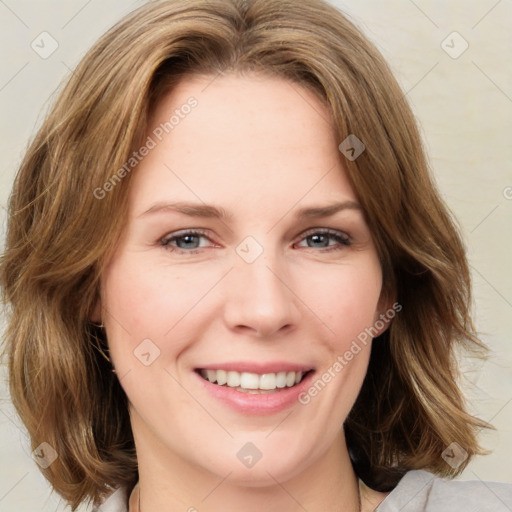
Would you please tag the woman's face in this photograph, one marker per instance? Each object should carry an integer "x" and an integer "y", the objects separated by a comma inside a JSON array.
[{"x": 269, "y": 292}]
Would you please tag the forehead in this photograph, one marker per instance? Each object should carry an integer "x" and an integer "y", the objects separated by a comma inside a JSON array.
[{"x": 246, "y": 138}]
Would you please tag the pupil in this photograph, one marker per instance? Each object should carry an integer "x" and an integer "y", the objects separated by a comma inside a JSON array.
[{"x": 317, "y": 238}]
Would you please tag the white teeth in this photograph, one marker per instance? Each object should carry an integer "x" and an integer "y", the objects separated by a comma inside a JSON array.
[
  {"x": 222, "y": 377},
  {"x": 281, "y": 380},
  {"x": 254, "y": 381},
  {"x": 233, "y": 379},
  {"x": 249, "y": 381},
  {"x": 268, "y": 381}
]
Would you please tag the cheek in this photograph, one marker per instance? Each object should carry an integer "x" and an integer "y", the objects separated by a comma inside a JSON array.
[
  {"x": 153, "y": 302},
  {"x": 345, "y": 299}
]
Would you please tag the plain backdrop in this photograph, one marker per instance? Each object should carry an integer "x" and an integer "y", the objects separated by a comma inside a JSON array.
[{"x": 460, "y": 89}]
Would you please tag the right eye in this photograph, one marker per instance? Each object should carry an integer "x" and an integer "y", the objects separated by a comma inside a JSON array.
[{"x": 185, "y": 242}]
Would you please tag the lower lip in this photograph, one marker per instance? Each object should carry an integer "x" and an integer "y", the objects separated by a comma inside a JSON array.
[{"x": 257, "y": 403}]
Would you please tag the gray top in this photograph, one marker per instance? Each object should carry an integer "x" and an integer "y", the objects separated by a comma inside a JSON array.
[
  {"x": 418, "y": 491},
  {"x": 421, "y": 491}
]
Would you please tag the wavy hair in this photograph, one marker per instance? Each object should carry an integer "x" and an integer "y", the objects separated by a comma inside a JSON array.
[{"x": 60, "y": 234}]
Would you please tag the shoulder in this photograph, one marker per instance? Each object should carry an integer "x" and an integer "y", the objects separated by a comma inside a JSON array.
[
  {"x": 421, "y": 491},
  {"x": 115, "y": 502}
]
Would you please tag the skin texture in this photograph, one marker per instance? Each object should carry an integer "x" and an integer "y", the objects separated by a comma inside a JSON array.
[{"x": 261, "y": 148}]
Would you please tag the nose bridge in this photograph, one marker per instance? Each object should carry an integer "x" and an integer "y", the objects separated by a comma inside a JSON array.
[{"x": 259, "y": 296}]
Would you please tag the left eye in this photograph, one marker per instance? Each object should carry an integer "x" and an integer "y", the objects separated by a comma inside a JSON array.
[
  {"x": 189, "y": 241},
  {"x": 324, "y": 236}
]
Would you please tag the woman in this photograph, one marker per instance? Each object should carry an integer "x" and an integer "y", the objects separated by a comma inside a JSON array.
[{"x": 232, "y": 281}]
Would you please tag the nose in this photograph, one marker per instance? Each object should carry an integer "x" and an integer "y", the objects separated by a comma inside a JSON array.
[{"x": 259, "y": 298}]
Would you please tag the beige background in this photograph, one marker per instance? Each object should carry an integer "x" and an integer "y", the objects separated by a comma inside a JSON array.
[{"x": 464, "y": 106}]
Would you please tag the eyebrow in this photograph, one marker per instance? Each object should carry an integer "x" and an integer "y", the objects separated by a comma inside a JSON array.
[{"x": 209, "y": 211}]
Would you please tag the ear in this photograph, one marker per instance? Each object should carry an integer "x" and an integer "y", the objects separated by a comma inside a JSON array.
[{"x": 387, "y": 309}]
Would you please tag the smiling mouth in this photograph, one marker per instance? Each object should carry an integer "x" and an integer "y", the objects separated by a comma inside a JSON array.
[{"x": 253, "y": 383}]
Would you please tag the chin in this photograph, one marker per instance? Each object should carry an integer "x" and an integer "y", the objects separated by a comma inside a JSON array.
[{"x": 271, "y": 461}]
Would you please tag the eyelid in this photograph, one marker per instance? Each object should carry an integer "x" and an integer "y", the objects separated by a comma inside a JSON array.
[
  {"x": 183, "y": 232},
  {"x": 325, "y": 231}
]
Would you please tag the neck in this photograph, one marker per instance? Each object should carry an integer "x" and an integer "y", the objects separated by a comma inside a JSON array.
[{"x": 168, "y": 482}]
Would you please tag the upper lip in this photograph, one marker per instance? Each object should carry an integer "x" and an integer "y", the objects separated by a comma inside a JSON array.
[{"x": 257, "y": 367}]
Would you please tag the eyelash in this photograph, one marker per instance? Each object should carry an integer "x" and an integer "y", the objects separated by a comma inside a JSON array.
[{"x": 342, "y": 239}]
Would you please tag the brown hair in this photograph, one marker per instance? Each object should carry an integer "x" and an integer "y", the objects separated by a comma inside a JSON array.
[{"x": 60, "y": 234}]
